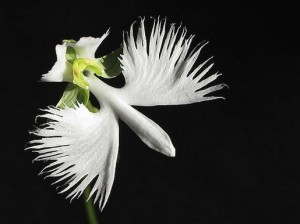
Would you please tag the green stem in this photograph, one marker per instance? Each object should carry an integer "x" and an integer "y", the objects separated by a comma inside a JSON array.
[{"x": 89, "y": 207}]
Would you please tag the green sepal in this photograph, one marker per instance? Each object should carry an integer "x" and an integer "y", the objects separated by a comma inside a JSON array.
[
  {"x": 71, "y": 54},
  {"x": 74, "y": 94},
  {"x": 91, "y": 107},
  {"x": 69, "y": 41},
  {"x": 111, "y": 64}
]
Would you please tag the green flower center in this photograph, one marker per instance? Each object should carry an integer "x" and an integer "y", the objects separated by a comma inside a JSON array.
[
  {"x": 85, "y": 64},
  {"x": 79, "y": 65},
  {"x": 108, "y": 66}
]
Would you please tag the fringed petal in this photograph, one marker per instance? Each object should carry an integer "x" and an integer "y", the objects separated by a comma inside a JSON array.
[
  {"x": 80, "y": 147},
  {"x": 147, "y": 130},
  {"x": 161, "y": 71}
]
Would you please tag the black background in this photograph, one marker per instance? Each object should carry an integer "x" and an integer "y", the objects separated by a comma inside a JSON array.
[{"x": 237, "y": 159}]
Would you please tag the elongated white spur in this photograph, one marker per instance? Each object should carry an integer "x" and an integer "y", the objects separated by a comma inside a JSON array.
[{"x": 79, "y": 141}]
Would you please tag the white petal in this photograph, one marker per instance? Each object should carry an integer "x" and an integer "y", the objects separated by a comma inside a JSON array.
[
  {"x": 160, "y": 72},
  {"x": 87, "y": 46},
  {"x": 62, "y": 70},
  {"x": 148, "y": 131},
  {"x": 80, "y": 146}
]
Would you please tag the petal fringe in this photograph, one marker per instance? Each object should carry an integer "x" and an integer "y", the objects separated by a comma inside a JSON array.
[
  {"x": 160, "y": 71},
  {"x": 81, "y": 147}
]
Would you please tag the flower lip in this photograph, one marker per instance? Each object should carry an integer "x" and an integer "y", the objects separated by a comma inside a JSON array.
[{"x": 147, "y": 130}]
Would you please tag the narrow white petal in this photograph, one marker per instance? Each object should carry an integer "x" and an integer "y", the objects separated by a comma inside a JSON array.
[
  {"x": 148, "y": 131},
  {"x": 160, "y": 71},
  {"x": 81, "y": 146}
]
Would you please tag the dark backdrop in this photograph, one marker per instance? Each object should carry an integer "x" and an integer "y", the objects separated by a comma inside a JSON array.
[{"x": 237, "y": 159}]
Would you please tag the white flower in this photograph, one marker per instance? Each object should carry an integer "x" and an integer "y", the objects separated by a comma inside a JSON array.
[{"x": 82, "y": 146}]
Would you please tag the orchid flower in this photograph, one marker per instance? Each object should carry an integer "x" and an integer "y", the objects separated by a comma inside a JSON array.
[{"x": 80, "y": 142}]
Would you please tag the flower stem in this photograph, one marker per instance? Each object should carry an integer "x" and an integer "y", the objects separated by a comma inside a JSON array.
[{"x": 89, "y": 207}]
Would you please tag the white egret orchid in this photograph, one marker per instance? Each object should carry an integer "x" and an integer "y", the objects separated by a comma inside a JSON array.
[{"x": 81, "y": 144}]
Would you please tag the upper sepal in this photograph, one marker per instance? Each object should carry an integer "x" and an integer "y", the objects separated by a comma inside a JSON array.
[{"x": 62, "y": 69}]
